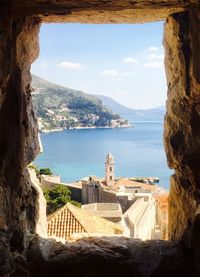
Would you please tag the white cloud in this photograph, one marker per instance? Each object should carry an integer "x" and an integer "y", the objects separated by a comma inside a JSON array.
[
  {"x": 154, "y": 64},
  {"x": 113, "y": 72},
  {"x": 43, "y": 65},
  {"x": 153, "y": 48},
  {"x": 156, "y": 57},
  {"x": 130, "y": 60},
  {"x": 70, "y": 65},
  {"x": 155, "y": 60}
]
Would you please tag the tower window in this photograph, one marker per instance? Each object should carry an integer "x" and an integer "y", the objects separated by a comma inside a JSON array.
[
  {"x": 110, "y": 178},
  {"x": 110, "y": 168}
]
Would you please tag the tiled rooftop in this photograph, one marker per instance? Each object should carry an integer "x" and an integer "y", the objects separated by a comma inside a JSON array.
[
  {"x": 71, "y": 219},
  {"x": 131, "y": 183},
  {"x": 63, "y": 223}
]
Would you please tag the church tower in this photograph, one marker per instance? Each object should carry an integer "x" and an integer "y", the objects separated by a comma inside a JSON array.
[{"x": 110, "y": 173}]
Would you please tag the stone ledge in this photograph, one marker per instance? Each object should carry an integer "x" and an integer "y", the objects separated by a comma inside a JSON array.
[{"x": 109, "y": 256}]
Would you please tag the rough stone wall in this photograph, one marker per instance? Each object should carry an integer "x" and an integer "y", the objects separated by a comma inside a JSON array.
[
  {"x": 100, "y": 11},
  {"x": 18, "y": 128},
  {"x": 182, "y": 121},
  {"x": 76, "y": 193},
  {"x": 49, "y": 182},
  {"x": 111, "y": 256},
  {"x": 109, "y": 197},
  {"x": 19, "y": 144}
]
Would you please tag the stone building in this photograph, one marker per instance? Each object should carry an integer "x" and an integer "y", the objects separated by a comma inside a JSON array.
[
  {"x": 109, "y": 170},
  {"x": 135, "y": 199},
  {"x": 92, "y": 190},
  {"x": 93, "y": 187},
  {"x": 110, "y": 190},
  {"x": 109, "y": 211},
  {"x": 140, "y": 220}
]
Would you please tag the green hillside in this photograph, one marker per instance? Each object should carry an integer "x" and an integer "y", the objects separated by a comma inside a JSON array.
[{"x": 58, "y": 107}]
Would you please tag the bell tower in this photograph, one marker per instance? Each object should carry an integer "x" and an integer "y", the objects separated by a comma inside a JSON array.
[{"x": 109, "y": 167}]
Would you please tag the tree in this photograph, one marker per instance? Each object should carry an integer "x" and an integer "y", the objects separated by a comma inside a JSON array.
[
  {"x": 57, "y": 197},
  {"x": 45, "y": 171}
]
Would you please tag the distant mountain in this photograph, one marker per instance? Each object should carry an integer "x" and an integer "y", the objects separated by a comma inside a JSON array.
[
  {"x": 136, "y": 114},
  {"x": 114, "y": 105},
  {"x": 59, "y": 107}
]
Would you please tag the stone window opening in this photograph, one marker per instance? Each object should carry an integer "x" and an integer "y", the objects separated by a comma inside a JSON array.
[
  {"x": 111, "y": 178},
  {"x": 25, "y": 253}
]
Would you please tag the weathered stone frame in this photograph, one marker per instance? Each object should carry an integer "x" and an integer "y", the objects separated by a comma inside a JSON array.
[
  {"x": 19, "y": 27},
  {"x": 18, "y": 127},
  {"x": 182, "y": 130}
]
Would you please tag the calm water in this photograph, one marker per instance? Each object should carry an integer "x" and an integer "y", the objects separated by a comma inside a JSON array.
[{"x": 137, "y": 151}]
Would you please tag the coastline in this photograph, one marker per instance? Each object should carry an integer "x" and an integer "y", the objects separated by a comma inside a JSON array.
[
  {"x": 134, "y": 164},
  {"x": 83, "y": 128}
]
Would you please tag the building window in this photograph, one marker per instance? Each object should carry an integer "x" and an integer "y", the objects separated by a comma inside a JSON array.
[
  {"x": 110, "y": 168},
  {"x": 110, "y": 178}
]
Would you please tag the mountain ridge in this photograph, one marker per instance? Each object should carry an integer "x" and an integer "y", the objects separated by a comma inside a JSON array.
[
  {"x": 124, "y": 111},
  {"x": 59, "y": 107}
]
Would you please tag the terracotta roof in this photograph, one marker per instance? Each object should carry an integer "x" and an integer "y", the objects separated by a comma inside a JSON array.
[
  {"x": 70, "y": 219},
  {"x": 162, "y": 198},
  {"x": 130, "y": 183},
  {"x": 162, "y": 201},
  {"x": 103, "y": 183},
  {"x": 149, "y": 187},
  {"x": 62, "y": 224},
  {"x": 127, "y": 182}
]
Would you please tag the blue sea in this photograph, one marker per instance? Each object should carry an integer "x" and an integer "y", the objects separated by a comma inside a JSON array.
[{"x": 137, "y": 151}]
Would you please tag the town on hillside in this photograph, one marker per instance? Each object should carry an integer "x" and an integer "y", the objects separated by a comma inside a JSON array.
[
  {"x": 135, "y": 208},
  {"x": 60, "y": 108}
]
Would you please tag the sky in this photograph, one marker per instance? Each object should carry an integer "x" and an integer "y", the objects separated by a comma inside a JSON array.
[{"x": 122, "y": 61}]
